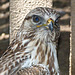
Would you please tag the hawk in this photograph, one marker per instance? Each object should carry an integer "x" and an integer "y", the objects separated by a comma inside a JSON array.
[{"x": 35, "y": 43}]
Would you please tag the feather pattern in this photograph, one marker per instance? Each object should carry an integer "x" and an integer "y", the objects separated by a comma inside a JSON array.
[{"x": 32, "y": 46}]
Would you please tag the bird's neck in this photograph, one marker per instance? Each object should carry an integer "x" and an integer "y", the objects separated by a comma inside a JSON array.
[
  {"x": 52, "y": 60},
  {"x": 47, "y": 53},
  {"x": 43, "y": 51}
]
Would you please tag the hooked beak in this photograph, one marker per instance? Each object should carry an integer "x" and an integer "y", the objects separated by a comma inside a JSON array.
[{"x": 50, "y": 23}]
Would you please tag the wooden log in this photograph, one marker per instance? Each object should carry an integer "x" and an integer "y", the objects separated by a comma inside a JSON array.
[{"x": 72, "y": 70}]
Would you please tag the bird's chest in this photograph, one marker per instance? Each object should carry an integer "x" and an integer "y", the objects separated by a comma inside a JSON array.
[
  {"x": 37, "y": 53},
  {"x": 40, "y": 53}
]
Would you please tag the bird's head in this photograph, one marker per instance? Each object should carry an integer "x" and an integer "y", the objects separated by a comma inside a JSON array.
[{"x": 43, "y": 19}]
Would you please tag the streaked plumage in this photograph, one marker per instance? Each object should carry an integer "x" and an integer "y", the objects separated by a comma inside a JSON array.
[{"x": 35, "y": 43}]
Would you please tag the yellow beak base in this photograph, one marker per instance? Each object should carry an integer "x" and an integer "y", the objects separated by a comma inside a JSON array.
[{"x": 48, "y": 22}]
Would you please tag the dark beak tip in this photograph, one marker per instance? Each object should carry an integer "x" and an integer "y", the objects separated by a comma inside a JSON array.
[{"x": 51, "y": 26}]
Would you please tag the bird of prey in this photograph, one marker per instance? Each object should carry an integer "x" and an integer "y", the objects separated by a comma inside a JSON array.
[{"x": 35, "y": 43}]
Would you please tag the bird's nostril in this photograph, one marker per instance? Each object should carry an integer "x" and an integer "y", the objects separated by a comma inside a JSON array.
[{"x": 47, "y": 21}]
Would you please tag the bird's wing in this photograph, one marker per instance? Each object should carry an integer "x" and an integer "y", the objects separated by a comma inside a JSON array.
[{"x": 12, "y": 58}]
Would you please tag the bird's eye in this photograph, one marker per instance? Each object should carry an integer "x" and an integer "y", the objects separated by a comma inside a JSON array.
[{"x": 36, "y": 19}]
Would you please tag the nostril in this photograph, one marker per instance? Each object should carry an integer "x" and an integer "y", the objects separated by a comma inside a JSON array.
[{"x": 47, "y": 21}]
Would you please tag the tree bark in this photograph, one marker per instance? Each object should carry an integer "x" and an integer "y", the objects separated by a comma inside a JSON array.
[
  {"x": 73, "y": 37},
  {"x": 18, "y": 11}
]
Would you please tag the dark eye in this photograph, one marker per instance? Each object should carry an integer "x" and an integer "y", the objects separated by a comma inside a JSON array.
[{"x": 36, "y": 18}]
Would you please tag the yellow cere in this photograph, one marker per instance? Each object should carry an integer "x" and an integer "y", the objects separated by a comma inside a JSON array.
[
  {"x": 42, "y": 25},
  {"x": 48, "y": 22}
]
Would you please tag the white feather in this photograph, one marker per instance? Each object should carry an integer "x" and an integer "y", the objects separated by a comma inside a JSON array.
[{"x": 25, "y": 41}]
